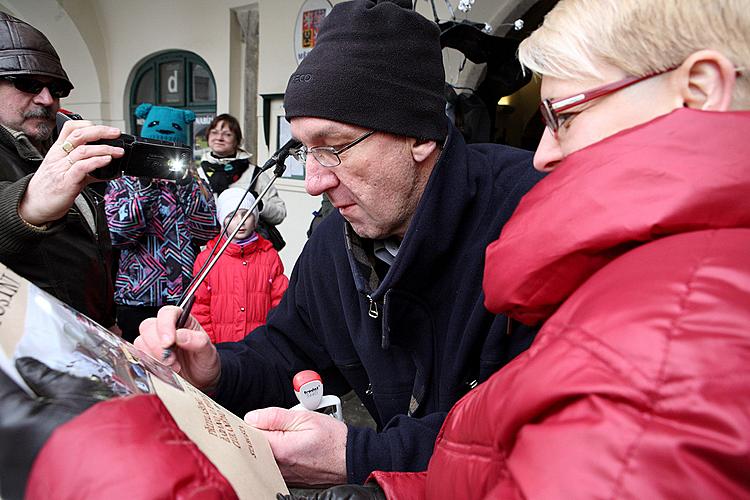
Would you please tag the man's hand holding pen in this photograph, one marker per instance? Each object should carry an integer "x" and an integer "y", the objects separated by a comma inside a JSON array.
[
  {"x": 193, "y": 355},
  {"x": 176, "y": 338}
]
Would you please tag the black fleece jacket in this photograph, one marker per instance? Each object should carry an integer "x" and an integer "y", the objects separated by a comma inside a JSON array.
[{"x": 410, "y": 345}]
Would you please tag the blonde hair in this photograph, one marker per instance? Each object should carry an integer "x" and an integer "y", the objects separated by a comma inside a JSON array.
[{"x": 638, "y": 37}]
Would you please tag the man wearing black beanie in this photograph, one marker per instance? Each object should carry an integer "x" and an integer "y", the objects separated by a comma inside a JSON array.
[{"x": 386, "y": 298}]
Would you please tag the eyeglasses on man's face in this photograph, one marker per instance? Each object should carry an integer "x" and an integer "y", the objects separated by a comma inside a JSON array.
[
  {"x": 31, "y": 85},
  {"x": 327, "y": 156},
  {"x": 553, "y": 109}
]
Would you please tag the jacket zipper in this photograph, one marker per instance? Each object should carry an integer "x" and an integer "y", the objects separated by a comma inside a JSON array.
[{"x": 373, "y": 309}]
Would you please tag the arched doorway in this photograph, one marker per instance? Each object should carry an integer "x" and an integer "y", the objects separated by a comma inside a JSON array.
[{"x": 178, "y": 79}]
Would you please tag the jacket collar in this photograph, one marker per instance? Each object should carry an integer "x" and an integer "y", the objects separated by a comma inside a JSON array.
[
  {"x": 430, "y": 233},
  {"x": 685, "y": 171},
  {"x": 21, "y": 143},
  {"x": 241, "y": 155},
  {"x": 261, "y": 244}
]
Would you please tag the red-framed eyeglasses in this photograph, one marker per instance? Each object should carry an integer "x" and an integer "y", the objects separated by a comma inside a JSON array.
[{"x": 551, "y": 108}]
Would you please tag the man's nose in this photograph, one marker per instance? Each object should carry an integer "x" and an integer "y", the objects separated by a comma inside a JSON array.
[
  {"x": 44, "y": 97},
  {"x": 318, "y": 179},
  {"x": 548, "y": 153}
]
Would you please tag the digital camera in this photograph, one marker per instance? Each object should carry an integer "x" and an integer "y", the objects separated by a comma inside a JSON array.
[
  {"x": 146, "y": 158},
  {"x": 143, "y": 157}
]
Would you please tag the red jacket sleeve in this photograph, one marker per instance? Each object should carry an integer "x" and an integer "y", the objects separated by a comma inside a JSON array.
[
  {"x": 126, "y": 447},
  {"x": 280, "y": 282},
  {"x": 401, "y": 485},
  {"x": 202, "y": 307}
]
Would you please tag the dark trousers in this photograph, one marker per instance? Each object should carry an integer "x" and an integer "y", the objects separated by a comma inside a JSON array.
[{"x": 129, "y": 318}]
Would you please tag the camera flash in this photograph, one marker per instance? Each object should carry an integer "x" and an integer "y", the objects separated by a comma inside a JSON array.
[{"x": 176, "y": 165}]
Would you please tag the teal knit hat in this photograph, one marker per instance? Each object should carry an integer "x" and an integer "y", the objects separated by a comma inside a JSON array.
[{"x": 164, "y": 123}]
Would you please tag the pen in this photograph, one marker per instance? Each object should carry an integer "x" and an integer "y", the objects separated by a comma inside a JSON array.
[
  {"x": 186, "y": 303},
  {"x": 184, "y": 315}
]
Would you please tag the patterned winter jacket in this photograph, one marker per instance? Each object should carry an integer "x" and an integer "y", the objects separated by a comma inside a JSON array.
[{"x": 157, "y": 226}]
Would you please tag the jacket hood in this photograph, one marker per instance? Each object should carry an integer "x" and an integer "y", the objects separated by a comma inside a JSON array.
[
  {"x": 24, "y": 50},
  {"x": 685, "y": 171}
]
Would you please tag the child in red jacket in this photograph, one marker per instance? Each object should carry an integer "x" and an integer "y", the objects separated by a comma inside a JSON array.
[{"x": 248, "y": 279}]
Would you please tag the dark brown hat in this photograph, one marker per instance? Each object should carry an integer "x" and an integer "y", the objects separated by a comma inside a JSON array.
[{"x": 24, "y": 50}]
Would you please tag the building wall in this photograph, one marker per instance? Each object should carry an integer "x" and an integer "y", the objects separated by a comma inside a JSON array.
[{"x": 101, "y": 42}]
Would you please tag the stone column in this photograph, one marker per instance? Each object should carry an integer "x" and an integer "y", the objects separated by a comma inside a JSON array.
[{"x": 248, "y": 21}]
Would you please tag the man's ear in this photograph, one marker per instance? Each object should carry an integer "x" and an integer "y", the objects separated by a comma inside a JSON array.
[
  {"x": 709, "y": 81},
  {"x": 421, "y": 150}
]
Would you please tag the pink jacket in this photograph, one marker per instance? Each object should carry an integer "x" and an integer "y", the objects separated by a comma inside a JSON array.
[
  {"x": 244, "y": 285},
  {"x": 635, "y": 253}
]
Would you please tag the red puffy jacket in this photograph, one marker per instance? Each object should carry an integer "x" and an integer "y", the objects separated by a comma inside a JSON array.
[
  {"x": 244, "y": 285},
  {"x": 127, "y": 447},
  {"x": 635, "y": 253}
]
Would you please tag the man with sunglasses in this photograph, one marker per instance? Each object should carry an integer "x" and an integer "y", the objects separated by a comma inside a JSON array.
[
  {"x": 52, "y": 228},
  {"x": 386, "y": 298}
]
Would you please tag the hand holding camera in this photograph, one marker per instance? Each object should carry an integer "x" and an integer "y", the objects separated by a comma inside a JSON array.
[
  {"x": 84, "y": 153},
  {"x": 146, "y": 158},
  {"x": 65, "y": 170},
  {"x": 143, "y": 157}
]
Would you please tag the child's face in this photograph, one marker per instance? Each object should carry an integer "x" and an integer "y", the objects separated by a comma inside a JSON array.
[{"x": 232, "y": 221}]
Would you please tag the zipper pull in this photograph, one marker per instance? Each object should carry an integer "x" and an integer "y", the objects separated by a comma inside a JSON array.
[
  {"x": 368, "y": 391},
  {"x": 373, "y": 310}
]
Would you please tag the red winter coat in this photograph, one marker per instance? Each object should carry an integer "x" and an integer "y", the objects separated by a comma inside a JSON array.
[
  {"x": 127, "y": 447},
  {"x": 635, "y": 253},
  {"x": 243, "y": 286}
]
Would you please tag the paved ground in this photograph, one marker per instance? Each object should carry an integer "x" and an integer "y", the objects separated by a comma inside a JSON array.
[{"x": 355, "y": 412}]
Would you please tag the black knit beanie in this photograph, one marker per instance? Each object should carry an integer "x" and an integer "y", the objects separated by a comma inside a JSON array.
[{"x": 376, "y": 64}]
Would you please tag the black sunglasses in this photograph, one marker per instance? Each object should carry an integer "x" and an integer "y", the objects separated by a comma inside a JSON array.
[{"x": 57, "y": 88}]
